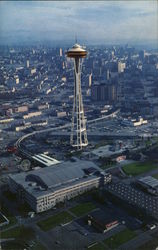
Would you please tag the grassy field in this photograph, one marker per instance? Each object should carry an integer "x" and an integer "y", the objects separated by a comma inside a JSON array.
[
  {"x": 38, "y": 246},
  {"x": 155, "y": 176},
  {"x": 10, "y": 217},
  {"x": 2, "y": 219},
  {"x": 103, "y": 143},
  {"x": 97, "y": 246},
  {"x": 55, "y": 220},
  {"x": 21, "y": 233},
  {"x": 12, "y": 221},
  {"x": 82, "y": 208},
  {"x": 139, "y": 168},
  {"x": 120, "y": 238},
  {"x": 13, "y": 245}
]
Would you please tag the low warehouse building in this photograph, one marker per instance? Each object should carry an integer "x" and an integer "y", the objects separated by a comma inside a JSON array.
[
  {"x": 42, "y": 189},
  {"x": 102, "y": 221}
]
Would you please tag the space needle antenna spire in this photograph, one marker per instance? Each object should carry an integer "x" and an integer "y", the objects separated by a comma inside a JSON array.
[
  {"x": 78, "y": 136},
  {"x": 76, "y": 39}
]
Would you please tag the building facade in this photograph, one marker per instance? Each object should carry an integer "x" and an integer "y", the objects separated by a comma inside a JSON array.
[
  {"x": 42, "y": 189},
  {"x": 104, "y": 92}
]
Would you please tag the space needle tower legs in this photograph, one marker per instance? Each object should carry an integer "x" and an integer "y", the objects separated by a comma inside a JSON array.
[{"x": 78, "y": 136}]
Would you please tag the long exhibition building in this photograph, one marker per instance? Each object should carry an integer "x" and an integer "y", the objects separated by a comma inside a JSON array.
[{"x": 42, "y": 189}]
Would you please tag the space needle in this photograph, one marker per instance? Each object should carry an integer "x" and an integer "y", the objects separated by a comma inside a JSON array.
[{"x": 78, "y": 136}]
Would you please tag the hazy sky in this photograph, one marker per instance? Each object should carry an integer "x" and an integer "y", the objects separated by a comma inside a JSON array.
[{"x": 91, "y": 21}]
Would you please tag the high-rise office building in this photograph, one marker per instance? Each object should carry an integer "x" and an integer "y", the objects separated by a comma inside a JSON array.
[
  {"x": 108, "y": 74},
  {"x": 104, "y": 93},
  {"x": 27, "y": 64},
  {"x": 142, "y": 54},
  {"x": 90, "y": 80},
  {"x": 121, "y": 67},
  {"x": 61, "y": 52}
]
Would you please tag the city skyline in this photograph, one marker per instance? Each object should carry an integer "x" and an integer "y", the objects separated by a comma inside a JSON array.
[
  {"x": 96, "y": 22},
  {"x": 78, "y": 126}
]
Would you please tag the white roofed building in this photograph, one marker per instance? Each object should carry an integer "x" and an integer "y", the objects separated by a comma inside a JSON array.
[
  {"x": 45, "y": 160},
  {"x": 42, "y": 189}
]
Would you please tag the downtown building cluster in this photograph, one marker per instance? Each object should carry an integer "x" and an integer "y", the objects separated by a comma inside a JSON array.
[{"x": 119, "y": 76}]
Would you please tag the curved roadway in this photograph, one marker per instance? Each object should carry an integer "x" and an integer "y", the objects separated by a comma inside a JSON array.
[{"x": 18, "y": 142}]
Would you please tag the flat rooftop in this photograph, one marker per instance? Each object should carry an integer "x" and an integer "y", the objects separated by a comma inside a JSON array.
[
  {"x": 49, "y": 179},
  {"x": 105, "y": 151},
  {"x": 102, "y": 217},
  {"x": 149, "y": 181},
  {"x": 45, "y": 160}
]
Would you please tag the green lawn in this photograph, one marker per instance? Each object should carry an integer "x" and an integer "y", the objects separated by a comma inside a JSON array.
[
  {"x": 139, "y": 168},
  {"x": 103, "y": 143},
  {"x": 2, "y": 219},
  {"x": 120, "y": 238},
  {"x": 12, "y": 221},
  {"x": 13, "y": 245},
  {"x": 10, "y": 217},
  {"x": 82, "y": 208},
  {"x": 38, "y": 246},
  {"x": 97, "y": 246},
  {"x": 22, "y": 233},
  {"x": 155, "y": 176},
  {"x": 55, "y": 220}
]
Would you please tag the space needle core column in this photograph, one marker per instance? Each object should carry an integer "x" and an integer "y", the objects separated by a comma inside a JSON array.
[{"x": 78, "y": 136}]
